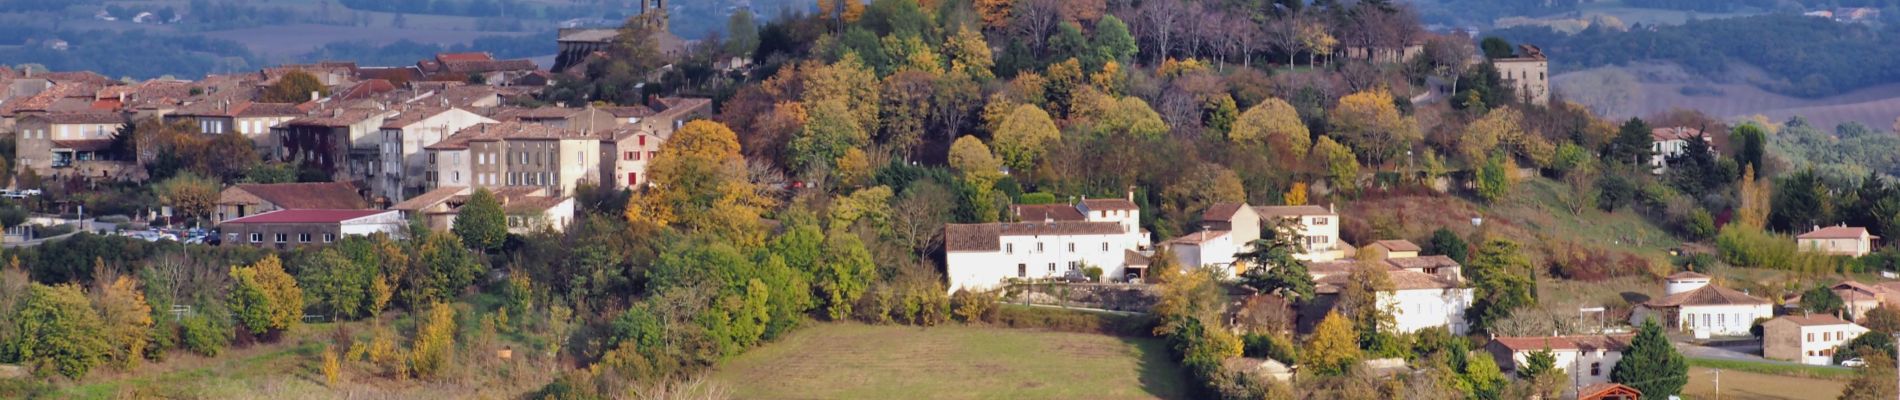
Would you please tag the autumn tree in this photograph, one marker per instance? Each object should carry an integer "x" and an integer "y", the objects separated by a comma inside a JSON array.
[
  {"x": 296, "y": 86},
  {"x": 57, "y": 332},
  {"x": 1756, "y": 200},
  {"x": 845, "y": 274},
  {"x": 699, "y": 182},
  {"x": 1276, "y": 125},
  {"x": 434, "y": 348},
  {"x": 1333, "y": 348},
  {"x": 444, "y": 267},
  {"x": 1024, "y": 136},
  {"x": 189, "y": 194},
  {"x": 127, "y": 319},
  {"x": 1495, "y": 177},
  {"x": 1371, "y": 123},
  {"x": 1342, "y": 169},
  {"x": 1359, "y": 300},
  {"x": 481, "y": 222},
  {"x": 969, "y": 54},
  {"x": 1872, "y": 381},
  {"x": 264, "y": 298}
]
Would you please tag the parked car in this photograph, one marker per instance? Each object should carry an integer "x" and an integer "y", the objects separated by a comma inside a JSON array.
[{"x": 1854, "y": 362}]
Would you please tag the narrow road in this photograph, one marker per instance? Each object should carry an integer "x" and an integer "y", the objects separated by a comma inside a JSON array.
[{"x": 36, "y": 242}]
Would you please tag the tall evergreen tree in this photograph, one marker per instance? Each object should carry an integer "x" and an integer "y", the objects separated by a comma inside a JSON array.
[
  {"x": 1631, "y": 145},
  {"x": 1273, "y": 267},
  {"x": 1651, "y": 364}
]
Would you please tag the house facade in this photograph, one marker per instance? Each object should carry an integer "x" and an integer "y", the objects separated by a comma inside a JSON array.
[
  {"x": 1806, "y": 339},
  {"x": 286, "y": 229},
  {"x": 1318, "y": 225},
  {"x": 1207, "y": 249},
  {"x": 1528, "y": 72},
  {"x": 251, "y": 119},
  {"x": 1671, "y": 142},
  {"x": 50, "y": 142},
  {"x": 984, "y": 256},
  {"x": 1838, "y": 240},
  {"x": 1587, "y": 359},
  {"x": 405, "y": 168},
  {"x": 340, "y": 142},
  {"x": 527, "y": 209},
  {"x": 516, "y": 154},
  {"x": 1692, "y": 304}
]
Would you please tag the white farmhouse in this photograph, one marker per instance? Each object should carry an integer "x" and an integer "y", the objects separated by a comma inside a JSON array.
[
  {"x": 1670, "y": 142},
  {"x": 1207, "y": 249},
  {"x": 1807, "y": 339},
  {"x": 1106, "y": 235},
  {"x": 1691, "y": 304},
  {"x": 1319, "y": 225},
  {"x": 1417, "y": 300},
  {"x": 1587, "y": 359}
]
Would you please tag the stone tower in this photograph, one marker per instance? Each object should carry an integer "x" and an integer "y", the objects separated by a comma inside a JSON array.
[{"x": 657, "y": 6}]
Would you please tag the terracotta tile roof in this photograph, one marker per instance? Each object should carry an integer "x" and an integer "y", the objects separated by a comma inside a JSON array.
[
  {"x": 1397, "y": 245},
  {"x": 1607, "y": 389},
  {"x": 75, "y": 76},
  {"x": 335, "y": 119},
  {"x": 505, "y": 130},
  {"x": 987, "y": 237},
  {"x": 1814, "y": 320},
  {"x": 325, "y": 195},
  {"x": 1046, "y": 212},
  {"x": 297, "y": 216},
  {"x": 463, "y": 96},
  {"x": 1401, "y": 279},
  {"x": 83, "y": 145},
  {"x": 412, "y": 115},
  {"x": 392, "y": 74},
  {"x": 430, "y": 199},
  {"x": 1836, "y": 232},
  {"x": 538, "y": 113},
  {"x": 1423, "y": 262},
  {"x": 1290, "y": 211},
  {"x": 1108, "y": 204},
  {"x": 1221, "y": 211},
  {"x": 1584, "y": 342},
  {"x": 1685, "y": 275},
  {"x": 271, "y": 110},
  {"x": 1134, "y": 258},
  {"x": 85, "y": 118},
  {"x": 629, "y": 111},
  {"x": 225, "y": 108},
  {"x": 1675, "y": 133},
  {"x": 43, "y": 101},
  {"x": 469, "y": 56},
  {"x": 1197, "y": 238},
  {"x": 1322, "y": 269},
  {"x": 1708, "y": 295}
]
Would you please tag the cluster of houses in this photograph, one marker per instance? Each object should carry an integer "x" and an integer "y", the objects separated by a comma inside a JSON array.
[{"x": 395, "y": 142}]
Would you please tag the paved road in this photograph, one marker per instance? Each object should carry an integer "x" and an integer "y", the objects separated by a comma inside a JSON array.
[
  {"x": 36, "y": 242},
  {"x": 1750, "y": 352}
]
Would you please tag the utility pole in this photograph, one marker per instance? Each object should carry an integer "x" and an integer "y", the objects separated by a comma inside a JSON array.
[{"x": 1718, "y": 384}]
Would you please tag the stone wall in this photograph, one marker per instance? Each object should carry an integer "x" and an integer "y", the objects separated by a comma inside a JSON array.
[{"x": 1106, "y": 296}]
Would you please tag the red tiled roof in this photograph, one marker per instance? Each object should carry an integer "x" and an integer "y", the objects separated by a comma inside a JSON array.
[
  {"x": 1046, "y": 212},
  {"x": 1707, "y": 295},
  {"x": 986, "y": 237},
  {"x": 1586, "y": 343},
  {"x": 1221, "y": 211},
  {"x": 1684, "y": 275},
  {"x": 1836, "y": 232},
  {"x": 392, "y": 74},
  {"x": 295, "y": 216},
  {"x": 1608, "y": 389},
  {"x": 470, "y": 56},
  {"x": 1675, "y": 133},
  {"x": 1197, "y": 238},
  {"x": 1290, "y": 211},
  {"x": 430, "y": 199},
  {"x": 85, "y": 118},
  {"x": 1108, "y": 204},
  {"x": 1397, "y": 245},
  {"x": 324, "y": 195},
  {"x": 1422, "y": 262},
  {"x": 483, "y": 66}
]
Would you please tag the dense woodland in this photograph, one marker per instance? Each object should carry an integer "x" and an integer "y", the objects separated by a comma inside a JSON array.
[{"x": 820, "y": 189}]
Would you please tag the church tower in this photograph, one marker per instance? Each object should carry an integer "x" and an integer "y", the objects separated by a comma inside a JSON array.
[{"x": 655, "y": 6}]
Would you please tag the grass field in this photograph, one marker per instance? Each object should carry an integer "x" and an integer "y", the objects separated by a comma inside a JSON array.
[
  {"x": 1741, "y": 385},
  {"x": 855, "y": 361}
]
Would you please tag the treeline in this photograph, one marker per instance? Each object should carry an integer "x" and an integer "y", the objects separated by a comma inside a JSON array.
[
  {"x": 1809, "y": 57},
  {"x": 138, "y": 54},
  {"x": 482, "y": 8}
]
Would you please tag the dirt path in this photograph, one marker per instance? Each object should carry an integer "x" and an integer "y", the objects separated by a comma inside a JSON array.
[{"x": 1738, "y": 385}]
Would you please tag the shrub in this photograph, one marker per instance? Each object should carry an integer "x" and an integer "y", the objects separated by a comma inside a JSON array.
[
  {"x": 972, "y": 307},
  {"x": 58, "y": 332},
  {"x": 435, "y": 342},
  {"x": 332, "y": 365},
  {"x": 204, "y": 334},
  {"x": 1094, "y": 274},
  {"x": 1037, "y": 198},
  {"x": 1075, "y": 321},
  {"x": 1750, "y": 247},
  {"x": 1277, "y": 347}
]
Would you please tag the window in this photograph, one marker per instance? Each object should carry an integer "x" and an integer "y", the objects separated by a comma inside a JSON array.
[
  {"x": 329, "y": 237},
  {"x": 431, "y": 158},
  {"x": 1073, "y": 265},
  {"x": 1104, "y": 246},
  {"x": 1690, "y": 319},
  {"x": 1022, "y": 270},
  {"x": 283, "y": 237},
  {"x": 633, "y": 178},
  {"x": 1705, "y": 320},
  {"x": 1317, "y": 221},
  {"x": 1596, "y": 369},
  {"x": 1039, "y": 250},
  {"x": 628, "y": 156},
  {"x": 1810, "y": 336},
  {"x": 1721, "y": 319},
  {"x": 1009, "y": 248},
  {"x": 1052, "y": 268},
  {"x": 257, "y": 238},
  {"x": 643, "y": 140},
  {"x": 303, "y": 238},
  {"x": 1071, "y": 247}
]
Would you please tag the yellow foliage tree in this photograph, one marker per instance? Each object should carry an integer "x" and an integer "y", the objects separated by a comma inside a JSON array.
[
  {"x": 1296, "y": 195},
  {"x": 974, "y": 163},
  {"x": 1333, "y": 347},
  {"x": 332, "y": 365},
  {"x": 434, "y": 348},
  {"x": 969, "y": 54},
  {"x": 699, "y": 182},
  {"x": 128, "y": 320},
  {"x": 854, "y": 168},
  {"x": 848, "y": 81},
  {"x": 1756, "y": 196},
  {"x": 995, "y": 13},
  {"x": 1025, "y": 136},
  {"x": 1275, "y": 124},
  {"x": 1370, "y": 122}
]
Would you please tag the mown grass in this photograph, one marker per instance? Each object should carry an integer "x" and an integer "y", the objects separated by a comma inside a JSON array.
[
  {"x": 1778, "y": 369},
  {"x": 856, "y": 361}
]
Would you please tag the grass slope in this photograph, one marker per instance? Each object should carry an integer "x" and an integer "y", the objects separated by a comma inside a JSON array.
[{"x": 855, "y": 361}]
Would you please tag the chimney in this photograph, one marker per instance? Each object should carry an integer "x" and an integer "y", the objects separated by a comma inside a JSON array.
[
  {"x": 336, "y": 113},
  {"x": 1131, "y": 194},
  {"x": 314, "y": 95}
]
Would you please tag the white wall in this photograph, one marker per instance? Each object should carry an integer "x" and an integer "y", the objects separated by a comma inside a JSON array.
[
  {"x": 1322, "y": 238},
  {"x": 1416, "y": 309},
  {"x": 452, "y": 168},
  {"x": 388, "y": 222},
  {"x": 984, "y": 270},
  {"x": 1578, "y": 365},
  {"x": 1728, "y": 320}
]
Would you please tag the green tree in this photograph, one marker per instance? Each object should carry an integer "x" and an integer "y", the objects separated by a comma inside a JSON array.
[
  {"x": 1537, "y": 363},
  {"x": 1750, "y": 143},
  {"x": 1494, "y": 177},
  {"x": 1446, "y": 243},
  {"x": 1272, "y": 268},
  {"x": 1502, "y": 276},
  {"x": 742, "y": 34},
  {"x": 336, "y": 283},
  {"x": 1631, "y": 145},
  {"x": 294, "y": 87},
  {"x": 1068, "y": 43},
  {"x": 1340, "y": 165},
  {"x": 445, "y": 267},
  {"x": 1800, "y": 202},
  {"x": 188, "y": 193},
  {"x": 1112, "y": 41},
  {"x": 481, "y": 222},
  {"x": 1652, "y": 365},
  {"x": 1867, "y": 344},
  {"x": 1882, "y": 319},
  {"x": 1276, "y": 125},
  {"x": 1495, "y": 47},
  {"x": 264, "y": 299},
  {"x": 1485, "y": 379},
  {"x": 845, "y": 273},
  {"x": 57, "y": 332},
  {"x": 1821, "y": 300}
]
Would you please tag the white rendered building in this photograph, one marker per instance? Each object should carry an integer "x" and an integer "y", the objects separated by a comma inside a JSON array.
[
  {"x": 1806, "y": 339},
  {"x": 1691, "y": 304},
  {"x": 1587, "y": 359},
  {"x": 983, "y": 256}
]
